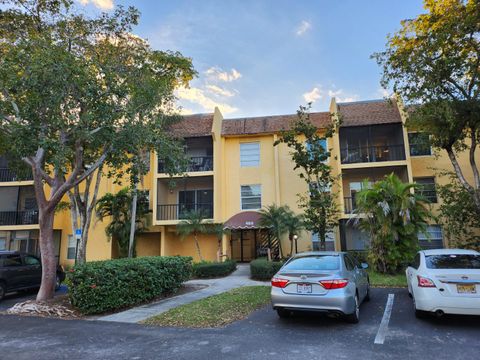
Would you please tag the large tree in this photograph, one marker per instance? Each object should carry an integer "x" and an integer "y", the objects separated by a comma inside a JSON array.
[
  {"x": 79, "y": 93},
  {"x": 310, "y": 155},
  {"x": 393, "y": 215},
  {"x": 433, "y": 63}
]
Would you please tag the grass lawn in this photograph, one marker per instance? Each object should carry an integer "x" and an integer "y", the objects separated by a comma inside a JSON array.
[
  {"x": 386, "y": 280},
  {"x": 215, "y": 311}
]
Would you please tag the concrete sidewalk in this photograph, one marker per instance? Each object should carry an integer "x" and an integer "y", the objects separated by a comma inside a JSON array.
[{"x": 239, "y": 278}]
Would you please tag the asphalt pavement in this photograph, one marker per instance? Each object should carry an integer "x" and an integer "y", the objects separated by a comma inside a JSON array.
[{"x": 261, "y": 336}]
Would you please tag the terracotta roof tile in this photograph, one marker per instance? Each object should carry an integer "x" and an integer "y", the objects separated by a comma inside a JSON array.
[
  {"x": 193, "y": 126},
  {"x": 369, "y": 113},
  {"x": 269, "y": 124}
]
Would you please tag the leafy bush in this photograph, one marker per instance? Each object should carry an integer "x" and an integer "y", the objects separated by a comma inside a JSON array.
[
  {"x": 262, "y": 269},
  {"x": 360, "y": 255},
  {"x": 211, "y": 269},
  {"x": 100, "y": 286}
]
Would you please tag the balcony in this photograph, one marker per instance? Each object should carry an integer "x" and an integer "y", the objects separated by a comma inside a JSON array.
[
  {"x": 26, "y": 217},
  {"x": 196, "y": 164},
  {"x": 179, "y": 211},
  {"x": 368, "y": 154}
]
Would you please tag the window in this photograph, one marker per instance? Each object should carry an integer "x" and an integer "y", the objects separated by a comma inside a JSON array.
[
  {"x": 433, "y": 239},
  {"x": 251, "y": 197},
  {"x": 250, "y": 154},
  {"x": 321, "y": 143},
  {"x": 427, "y": 188},
  {"x": 3, "y": 240},
  {"x": 329, "y": 242},
  {"x": 348, "y": 263},
  {"x": 317, "y": 262},
  {"x": 416, "y": 262},
  {"x": 453, "y": 261},
  {"x": 72, "y": 247},
  {"x": 419, "y": 144},
  {"x": 12, "y": 260},
  {"x": 30, "y": 260}
]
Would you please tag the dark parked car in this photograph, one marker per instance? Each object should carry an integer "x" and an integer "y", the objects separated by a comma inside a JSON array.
[{"x": 20, "y": 271}]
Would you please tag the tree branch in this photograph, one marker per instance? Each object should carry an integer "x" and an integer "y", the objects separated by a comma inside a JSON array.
[
  {"x": 458, "y": 170},
  {"x": 473, "y": 164}
]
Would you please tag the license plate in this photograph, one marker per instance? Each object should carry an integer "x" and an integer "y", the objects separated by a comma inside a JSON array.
[
  {"x": 304, "y": 289},
  {"x": 466, "y": 289}
]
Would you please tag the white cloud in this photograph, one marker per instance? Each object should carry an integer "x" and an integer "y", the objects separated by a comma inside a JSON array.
[
  {"x": 217, "y": 90},
  {"x": 340, "y": 97},
  {"x": 197, "y": 96},
  {"x": 313, "y": 95},
  {"x": 226, "y": 76},
  {"x": 303, "y": 28},
  {"x": 101, "y": 4}
]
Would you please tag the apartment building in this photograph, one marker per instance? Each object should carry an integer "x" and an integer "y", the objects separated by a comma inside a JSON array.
[{"x": 234, "y": 171}]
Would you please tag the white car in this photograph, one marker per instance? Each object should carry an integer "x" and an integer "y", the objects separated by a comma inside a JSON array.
[{"x": 445, "y": 281}]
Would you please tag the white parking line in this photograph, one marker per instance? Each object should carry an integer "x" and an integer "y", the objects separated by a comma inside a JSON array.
[{"x": 382, "y": 330}]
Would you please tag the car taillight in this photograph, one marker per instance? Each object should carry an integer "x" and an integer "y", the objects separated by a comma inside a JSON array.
[
  {"x": 334, "y": 284},
  {"x": 280, "y": 283},
  {"x": 425, "y": 282}
]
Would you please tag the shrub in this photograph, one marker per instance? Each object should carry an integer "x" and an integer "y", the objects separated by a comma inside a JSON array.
[
  {"x": 211, "y": 269},
  {"x": 100, "y": 286},
  {"x": 262, "y": 269}
]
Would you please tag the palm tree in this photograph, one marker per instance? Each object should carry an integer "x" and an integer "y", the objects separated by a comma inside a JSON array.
[
  {"x": 194, "y": 223},
  {"x": 218, "y": 230},
  {"x": 294, "y": 225},
  {"x": 118, "y": 206},
  {"x": 393, "y": 214},
  {"x": 272, "y": 218}
]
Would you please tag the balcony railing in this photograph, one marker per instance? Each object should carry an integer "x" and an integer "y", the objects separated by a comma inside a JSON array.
[
  {"x": 365, "y": 154},
  {"x": 349, "y": 205},
  {"x": 26, "y": 217},
  {"x": 7, "y": 175},
  {"x": 197, "y": 163},
  {"x": 179, "y": 211}
]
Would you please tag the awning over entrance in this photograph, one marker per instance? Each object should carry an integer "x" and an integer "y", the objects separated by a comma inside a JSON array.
[{"x": 243, "y": 221}]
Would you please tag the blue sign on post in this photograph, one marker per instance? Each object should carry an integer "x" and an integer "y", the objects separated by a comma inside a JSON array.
[{"x": 78, "y": 232}]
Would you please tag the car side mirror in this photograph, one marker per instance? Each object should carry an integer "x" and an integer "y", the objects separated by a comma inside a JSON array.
[{"x": 364, "y": 266}]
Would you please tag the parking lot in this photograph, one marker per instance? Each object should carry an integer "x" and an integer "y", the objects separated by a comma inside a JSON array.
[{"x": 262, "y": 335}]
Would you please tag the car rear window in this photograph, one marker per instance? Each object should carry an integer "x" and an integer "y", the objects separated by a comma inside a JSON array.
[
  {"x": 320, "y": 262},
  {"x": 453, "y": 261}
]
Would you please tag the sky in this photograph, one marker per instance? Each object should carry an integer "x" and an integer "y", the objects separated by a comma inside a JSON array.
[{"x": 268, "y": 57}]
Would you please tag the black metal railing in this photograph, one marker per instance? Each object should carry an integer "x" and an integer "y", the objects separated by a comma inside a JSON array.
[
  {"x": 26, "y": 217},
  {"x": 180, "y": 211},
  {"x": 197, "y": 163},
  {"x": 362, "y": 154},
  {"x": 7, "y": 175},
  {"x": 349, "y": 205}
]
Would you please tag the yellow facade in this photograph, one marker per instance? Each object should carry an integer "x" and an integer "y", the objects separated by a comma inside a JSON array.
[{"x": 220, "y": 182}]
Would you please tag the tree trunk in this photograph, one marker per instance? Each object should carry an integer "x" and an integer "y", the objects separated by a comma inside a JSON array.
[
  {"x": 133, "y": 222},
  {"x": 290, "y": 237},
  {"x": 47, "y": 250},
  {"x": 197, "y": 245}
]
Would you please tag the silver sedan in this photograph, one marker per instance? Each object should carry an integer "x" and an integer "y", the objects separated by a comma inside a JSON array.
[{"x": 330, "y": 282}]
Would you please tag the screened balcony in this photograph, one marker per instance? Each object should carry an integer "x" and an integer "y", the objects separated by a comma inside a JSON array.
[
  {"x": 365, "y": 144},
  {"x": 200, "y": 153},
  {"x": 9, "y": 175},
  {"x": 18, "y": 206},
  {"x": 175, "y": 200}
]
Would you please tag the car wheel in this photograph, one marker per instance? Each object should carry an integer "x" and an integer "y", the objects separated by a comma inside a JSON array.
[
  {"x": 419, "y": 314},
  {"x": 354, "y": 318},
  {"x": 283, "y": 314},
  {"x": 3, "y": 290},
  {"x": 367, "y": 296}
]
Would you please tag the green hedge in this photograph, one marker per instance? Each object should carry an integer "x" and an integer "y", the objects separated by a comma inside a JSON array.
[
  {"x": 211, "y": 269},
  {"x": 100, "y": 286},
  {"x": 262, "y": 269}
]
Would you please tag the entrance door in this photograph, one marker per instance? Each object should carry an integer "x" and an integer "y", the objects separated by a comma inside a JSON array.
[{"x": 243, "y": 245}]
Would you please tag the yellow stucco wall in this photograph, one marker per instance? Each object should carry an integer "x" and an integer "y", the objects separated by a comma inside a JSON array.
[{"x": 280, "y": 185}]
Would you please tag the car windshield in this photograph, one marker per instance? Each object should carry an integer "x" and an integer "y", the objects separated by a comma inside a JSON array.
[
  {"x": 315, "y": 262},
  {"x": 453, "y": 261}
]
